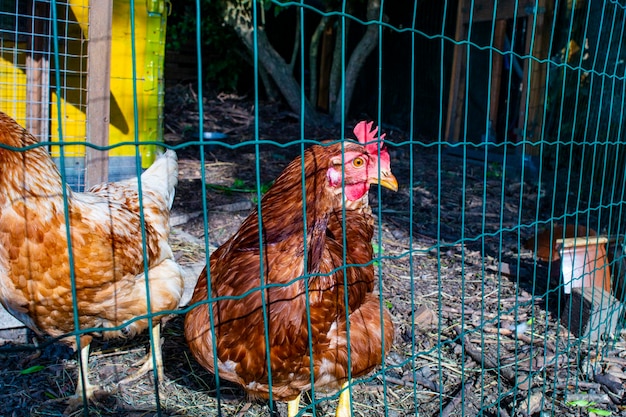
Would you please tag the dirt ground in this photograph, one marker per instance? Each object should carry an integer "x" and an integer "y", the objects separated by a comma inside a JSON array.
[{"x": 477, "y": 320}]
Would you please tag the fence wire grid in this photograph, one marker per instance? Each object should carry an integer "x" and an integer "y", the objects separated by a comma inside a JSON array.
[{"x": 500, "y": 258}]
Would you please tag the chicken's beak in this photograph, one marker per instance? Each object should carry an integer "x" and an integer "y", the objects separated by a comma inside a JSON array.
[{"x": 387, "y": 180}]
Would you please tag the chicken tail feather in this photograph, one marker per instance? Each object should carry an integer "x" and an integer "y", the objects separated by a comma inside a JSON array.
[{"x": 162, "y": 175}]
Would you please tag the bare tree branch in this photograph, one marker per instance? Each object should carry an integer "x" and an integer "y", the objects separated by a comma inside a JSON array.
[
  {"x": 336, "y": 67},
  {"x": 313, "y": 55},
  {"x": 240, "y": 19},
  {"x": 238, "y": 15},
  {"x": 296, "y": 45},
  {"x": 364, "y": 48}
]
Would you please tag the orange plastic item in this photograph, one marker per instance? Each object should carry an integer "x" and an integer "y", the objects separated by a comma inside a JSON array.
[{"x": 584, "y": 263}]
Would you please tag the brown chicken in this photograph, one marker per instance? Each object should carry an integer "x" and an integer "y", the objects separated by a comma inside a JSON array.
[
  {"x": 300, "y": 293},
  {"x": 107, "y": 264}
]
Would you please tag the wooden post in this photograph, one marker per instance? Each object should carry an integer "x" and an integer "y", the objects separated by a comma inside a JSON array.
[
  {"x": 38, "y": 71},
  {"x": 98, "y": 90},
  {"x": 531, "y": 119},
  {"x": 496, "y": 71},
  {"x": 457, "y": 80}
]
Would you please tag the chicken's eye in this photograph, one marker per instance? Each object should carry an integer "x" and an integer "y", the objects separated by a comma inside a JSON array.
[{"x": 358, "y": 162}]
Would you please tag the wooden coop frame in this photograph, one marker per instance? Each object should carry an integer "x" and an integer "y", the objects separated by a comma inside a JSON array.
[
  {"x": 98, "y": 87},
  {"x": 96, "y": 67},
  {"x": 483, "y": 12}
]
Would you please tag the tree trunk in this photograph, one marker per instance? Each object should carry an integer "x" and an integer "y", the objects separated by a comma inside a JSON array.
[
  {"x": 296, "y": 46},
  {"x": 365, "y": 47},
  {"x": 240, "y": 19},
  {"x": 268, "y": 85},
  {"x": 313, "y": 55},
  {"x": 336, "y": 70},
  {"x": 237, "y": 15}
]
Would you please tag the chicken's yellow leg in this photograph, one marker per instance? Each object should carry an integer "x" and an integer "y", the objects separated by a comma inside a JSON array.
[
  {"x": 343, "y": 408},
  {"x": 158, "y": 352},
  {"x": 293, "y": 405},
  {"x": 146, "y": 362},
  {"x": 76, "y": 400},
  {"x": 83, "y": 372}
]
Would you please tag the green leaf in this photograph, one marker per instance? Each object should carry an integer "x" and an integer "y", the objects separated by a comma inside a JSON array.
[
  {"x": 239, "y": 186},
  {"x": 265, "y": 187},
  {"x": 579, "y": 403},
  {"x": 377, "y": 248},
  {"x": 600, "y": 412},
  {"x": 50, "y": 395},
  {"x": 32, "y": 370}
]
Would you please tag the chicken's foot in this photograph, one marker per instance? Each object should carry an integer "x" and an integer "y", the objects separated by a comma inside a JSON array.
[
  {"x": 146, "y": 362},
  {"x": 83, "y": 385}
]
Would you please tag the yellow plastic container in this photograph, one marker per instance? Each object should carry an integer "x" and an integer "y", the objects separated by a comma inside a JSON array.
[{"x": 73, "y": 30}]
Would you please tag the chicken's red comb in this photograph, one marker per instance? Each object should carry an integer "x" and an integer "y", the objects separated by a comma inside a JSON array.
[{"x": 368, "y": 136}]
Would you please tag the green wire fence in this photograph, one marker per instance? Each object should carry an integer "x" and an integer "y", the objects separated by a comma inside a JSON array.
[{"x": 500, "y": 258}]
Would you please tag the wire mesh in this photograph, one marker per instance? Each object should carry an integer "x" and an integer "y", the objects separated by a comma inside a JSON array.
[{"x": 520, "y": 150}]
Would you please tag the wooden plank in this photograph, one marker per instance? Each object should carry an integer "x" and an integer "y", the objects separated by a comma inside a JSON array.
[
  {"x": 483, "y": 10},
  {"x": 457, "y": 80},
  {"x": 537, "y": 81},
  {"x": 496, "y": 71},
  {"x": 98, "y": 90}
]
